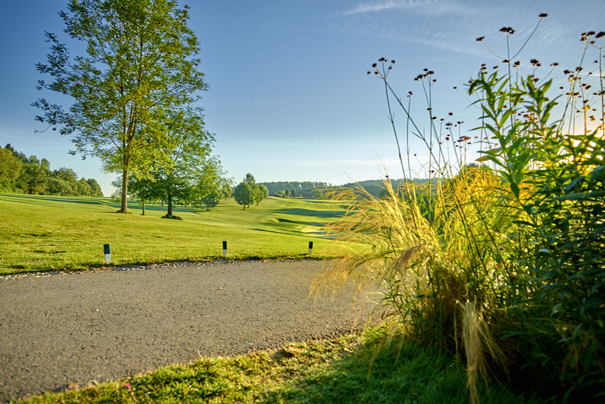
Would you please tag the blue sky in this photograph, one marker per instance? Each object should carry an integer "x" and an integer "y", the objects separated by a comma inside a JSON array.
[{"x": 289, "y": 98}]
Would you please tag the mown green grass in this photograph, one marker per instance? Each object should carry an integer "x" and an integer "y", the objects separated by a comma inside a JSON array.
[
  {"x": 347, "y": 369},
  {"x": 41, "y": 233}
]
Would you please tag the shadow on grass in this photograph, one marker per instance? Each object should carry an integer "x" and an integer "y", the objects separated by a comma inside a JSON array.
[
  {"x": 311, "y": 212},
  {"x": 345, "y": 369},
  {"x": 394, "y": 373},
  {"x": 316, "y": 224},
  {"x": 44, "y": 198}
]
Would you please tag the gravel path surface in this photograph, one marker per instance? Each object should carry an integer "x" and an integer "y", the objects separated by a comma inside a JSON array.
[{"x": 106, "y": 325}]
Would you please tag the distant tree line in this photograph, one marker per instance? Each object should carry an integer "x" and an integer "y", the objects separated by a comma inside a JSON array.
[
  {"x": 376, "y": 187},
  {"x": 30, "y": 175},
  {"x": 317, "y": 190},
  {"x": 304, "y": 189}
]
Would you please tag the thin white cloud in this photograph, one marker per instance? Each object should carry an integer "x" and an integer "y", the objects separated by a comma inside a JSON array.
[
  {"x": 423, "y": 7},
  {"x": 453, "y": 25}
]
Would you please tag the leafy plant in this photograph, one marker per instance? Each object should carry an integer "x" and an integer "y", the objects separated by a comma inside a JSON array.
[{"x": 504, "y": 260}]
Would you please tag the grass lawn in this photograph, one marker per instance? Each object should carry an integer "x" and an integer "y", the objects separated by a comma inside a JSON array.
[
  {"x": 41, "y": 233},
  {"x": 347, "y": 369}
]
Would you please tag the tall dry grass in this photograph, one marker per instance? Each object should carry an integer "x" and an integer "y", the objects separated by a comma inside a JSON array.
[{"x": 501, "y": 262}]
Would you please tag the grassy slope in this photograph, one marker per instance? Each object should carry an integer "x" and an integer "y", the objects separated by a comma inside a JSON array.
[
  {"x": 47, "y": 232},
  {"x": 347, "y": 369}
]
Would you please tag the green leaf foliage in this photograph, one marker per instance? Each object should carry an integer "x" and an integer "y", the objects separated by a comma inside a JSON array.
[
  {"x": 10, "y": 169},
  {"x": 243, "y": 194},
  {"x": 139, "y": 64}
]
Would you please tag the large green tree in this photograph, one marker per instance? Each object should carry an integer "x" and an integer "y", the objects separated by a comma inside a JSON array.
[
  {"x": 212, "y": 183},
  {"x": 190, "y": 176},
  {"x": 260, "y": 193},
  {"x": 243, "y": 194},
  {"x": 175, "y": 178},
  {"x": 140, "y": 188},
  {"x": 140, "y": 62}
]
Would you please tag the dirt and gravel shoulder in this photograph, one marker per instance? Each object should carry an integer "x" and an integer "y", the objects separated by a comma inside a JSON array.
[{"x": 105, "y": 325}]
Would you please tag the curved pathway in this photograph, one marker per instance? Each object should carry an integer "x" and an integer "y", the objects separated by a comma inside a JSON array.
[{"x": 105, "y": 325}]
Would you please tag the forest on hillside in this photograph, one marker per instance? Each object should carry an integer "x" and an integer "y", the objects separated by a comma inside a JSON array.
[
  {"x": 31, "y": 175},
  {"x": 310, "y": 189}
]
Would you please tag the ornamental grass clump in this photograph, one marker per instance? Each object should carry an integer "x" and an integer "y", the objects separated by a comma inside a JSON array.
[{"x": 499, "y": 259}]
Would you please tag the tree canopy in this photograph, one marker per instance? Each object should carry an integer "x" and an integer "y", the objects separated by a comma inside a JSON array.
[
  {"x": 190, "y": 176},
  {"x": 243, "y": 194},
  {"x": 212, "y": 184},
  {"x": 140, "y": 62},
  {"x": 253, "y": 193}
]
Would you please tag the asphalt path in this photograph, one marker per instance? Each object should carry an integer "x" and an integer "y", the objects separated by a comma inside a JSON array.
[{"x": 76, "y": 328}]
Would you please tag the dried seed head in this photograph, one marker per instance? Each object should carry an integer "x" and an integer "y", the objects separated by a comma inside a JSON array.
[
  {"x": 481, "y": 38},
  {"x": 543, "y": 15}
]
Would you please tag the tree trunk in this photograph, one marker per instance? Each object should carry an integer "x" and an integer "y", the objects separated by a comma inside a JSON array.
[
  {"x": 143, "y": 206},
  {"x": 169, "y": 214},
  {"x": 124, "y": 207}
]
